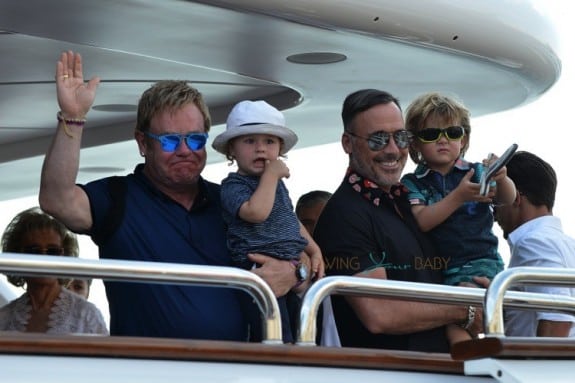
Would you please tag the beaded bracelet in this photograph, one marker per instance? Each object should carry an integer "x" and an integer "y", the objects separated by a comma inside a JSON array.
[{"x": 69, "y": 121}]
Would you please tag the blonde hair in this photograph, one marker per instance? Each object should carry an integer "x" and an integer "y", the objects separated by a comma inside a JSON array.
[
  {"x": 169, "y": 95},
  {"x": 435, "y": 105}
]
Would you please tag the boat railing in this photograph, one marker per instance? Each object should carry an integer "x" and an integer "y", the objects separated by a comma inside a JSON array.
[
  {"x": 494, "y": 297},
  {"x": 496, "y": 294},
  {"x": 155, "y": 272}
]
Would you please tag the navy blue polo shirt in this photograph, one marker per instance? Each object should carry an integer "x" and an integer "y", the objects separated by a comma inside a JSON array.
[{"x": 154, "y": 228}]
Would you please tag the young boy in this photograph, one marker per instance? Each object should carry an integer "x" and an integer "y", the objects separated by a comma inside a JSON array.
[
  {"x": 445, "y": 197},
  {"x": 255, "y": 201}
]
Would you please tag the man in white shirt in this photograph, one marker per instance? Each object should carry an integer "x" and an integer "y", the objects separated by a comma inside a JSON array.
[{"x": 536, "y": 238}]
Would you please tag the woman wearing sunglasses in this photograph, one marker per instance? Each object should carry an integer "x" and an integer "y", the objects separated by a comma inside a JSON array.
[
  {"x": 445, "y": 197},
  {"x": 46, "y": 306}
]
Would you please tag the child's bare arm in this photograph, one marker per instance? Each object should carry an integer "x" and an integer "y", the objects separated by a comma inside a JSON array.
[
  {"x": 314, "y": 253},
  {"x": 258, "y": 208},
  {"x": 505, "y": 190},
  {"x": 429, "y": 216}
]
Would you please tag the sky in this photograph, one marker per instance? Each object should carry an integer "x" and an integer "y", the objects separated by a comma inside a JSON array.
[{"x": 542, "y": 127}]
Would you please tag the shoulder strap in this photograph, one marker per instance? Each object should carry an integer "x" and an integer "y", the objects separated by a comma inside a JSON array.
[{"x": 117, "y": 188}]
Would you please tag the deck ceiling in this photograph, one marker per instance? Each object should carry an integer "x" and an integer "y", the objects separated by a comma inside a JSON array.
[{"x": 494, "y": 54}]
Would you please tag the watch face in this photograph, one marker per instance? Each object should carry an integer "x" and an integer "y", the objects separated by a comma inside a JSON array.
[{"x": 301, "y": 272}]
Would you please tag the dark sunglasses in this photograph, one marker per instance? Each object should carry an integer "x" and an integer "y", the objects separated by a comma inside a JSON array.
[
  {"x": 170, "y": 142},
  {"x": 379, "y": 140},
  {"x": 452, "y": 133},
  {"x": 51, "y": 250}
]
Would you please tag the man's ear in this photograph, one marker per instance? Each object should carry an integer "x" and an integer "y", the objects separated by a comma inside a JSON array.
[
  {"x": 141, "y": 140},
  {"x": 518, "y": 199},
  {"x": 346, "y": 143}
]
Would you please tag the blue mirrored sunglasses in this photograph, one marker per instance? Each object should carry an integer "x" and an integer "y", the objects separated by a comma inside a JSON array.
[{"x": 170, "y": 142}]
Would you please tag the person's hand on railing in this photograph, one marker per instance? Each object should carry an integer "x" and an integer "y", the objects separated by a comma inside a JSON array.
[{"x": 476, "y": 327}]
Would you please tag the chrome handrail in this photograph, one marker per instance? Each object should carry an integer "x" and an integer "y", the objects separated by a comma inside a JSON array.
[
  {"x": 493, "y": 306},
  {"x": 155, "y": 272},
  {"x": 412, "y": 291}
]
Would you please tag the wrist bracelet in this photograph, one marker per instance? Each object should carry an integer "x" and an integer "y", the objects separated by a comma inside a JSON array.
[
  {"x": 69, "y": 121},
  {"x": 470, "y": 318}
]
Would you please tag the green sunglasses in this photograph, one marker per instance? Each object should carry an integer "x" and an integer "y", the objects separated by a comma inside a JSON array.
[{"x": 452, "y": 133}]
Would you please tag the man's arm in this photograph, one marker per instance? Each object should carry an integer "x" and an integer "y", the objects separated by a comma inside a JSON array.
[
  {"x": 59, "y": 195},
  {"x": 389, "y": 316},
  {"x": 553, "y": 328}
]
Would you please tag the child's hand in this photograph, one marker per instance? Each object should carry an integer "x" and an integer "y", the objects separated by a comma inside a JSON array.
[
  {"x": 501, "y": 174},
  {"x": 468, "y": 191},
  {"x": 317, "y": 265},
  {"x": 491, "y": 158},
  {"x": 278, "y": 168}
]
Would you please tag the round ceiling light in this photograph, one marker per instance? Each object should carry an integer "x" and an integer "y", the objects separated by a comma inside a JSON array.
[{"x": 316, "y": 58}]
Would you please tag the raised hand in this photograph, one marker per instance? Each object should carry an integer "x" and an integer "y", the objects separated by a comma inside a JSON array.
[
  {"x": 278, "y": 168},
  {"x": 74, "y": 96}
]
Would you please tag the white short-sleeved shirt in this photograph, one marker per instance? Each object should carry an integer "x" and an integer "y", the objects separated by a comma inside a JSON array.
[{"x": 540, "y": 242}]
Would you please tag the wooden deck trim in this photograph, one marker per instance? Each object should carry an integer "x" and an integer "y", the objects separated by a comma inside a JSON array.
[
  {"x": 515, "y": 348},
  {"x": 230, "y": 352}
]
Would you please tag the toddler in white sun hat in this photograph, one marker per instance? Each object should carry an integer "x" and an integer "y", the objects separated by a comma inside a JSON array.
[{"x": 256, "y": 205}]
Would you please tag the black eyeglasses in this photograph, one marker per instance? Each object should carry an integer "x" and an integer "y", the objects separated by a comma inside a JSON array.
[
  {"x": 429, "y": 135},
  {"x": 171, "y": 142},
  {"x": 50, "y": 250},
  {"x": 379, "y": 140}
]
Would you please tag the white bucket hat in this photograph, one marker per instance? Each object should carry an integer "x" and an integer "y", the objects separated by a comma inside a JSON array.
[{"x": 255, "y": 117}]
